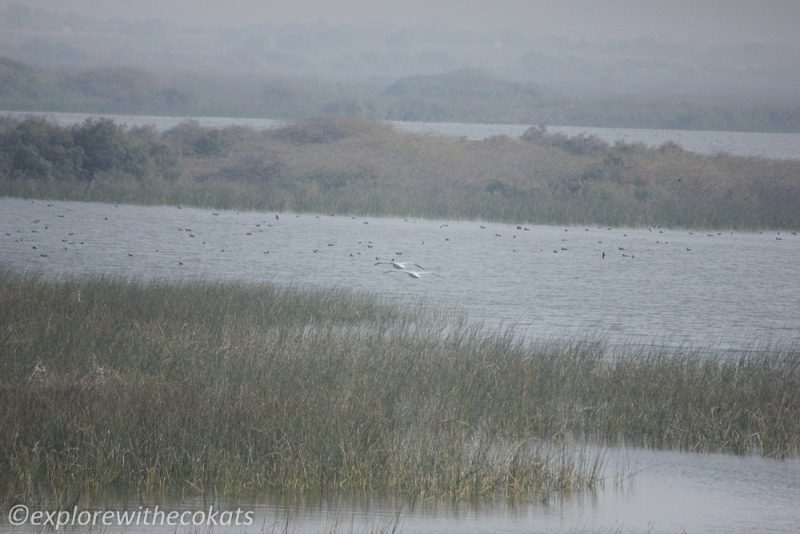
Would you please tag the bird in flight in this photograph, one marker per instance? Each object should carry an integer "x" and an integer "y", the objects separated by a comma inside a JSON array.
[
  {"x": 412, "y": 274},
  {"x": 400, "y": 265}
]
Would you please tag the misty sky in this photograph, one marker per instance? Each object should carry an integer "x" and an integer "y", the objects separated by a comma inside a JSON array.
[{"x": 700, "y": 21}]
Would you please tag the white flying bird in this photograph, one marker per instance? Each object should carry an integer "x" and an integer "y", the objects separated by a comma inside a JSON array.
[
  {"x": 400, "y": 265},
  {"x": 412, "y": 274}
]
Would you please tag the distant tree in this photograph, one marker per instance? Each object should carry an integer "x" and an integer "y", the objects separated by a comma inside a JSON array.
[
  {"x": 535, "y": 133},
  {"x": 105, "y": 146},
  {"x": 39, "y": 149},
  {"x": 19, "y": 83},
  {"x": 36, "y": 148}
]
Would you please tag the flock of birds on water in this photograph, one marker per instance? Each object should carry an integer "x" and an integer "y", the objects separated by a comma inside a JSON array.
[{"x": 394, "y": 266}]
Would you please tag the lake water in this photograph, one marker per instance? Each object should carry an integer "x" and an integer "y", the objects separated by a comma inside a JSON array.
[
  {"x": 722, "y": 290},
  {"x": 757, "y": 144}
]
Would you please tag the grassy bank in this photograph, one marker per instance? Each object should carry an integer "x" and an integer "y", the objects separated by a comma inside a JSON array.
[
  {"x": 361, "y": 167},
  {"x": 229, "y": 389}
]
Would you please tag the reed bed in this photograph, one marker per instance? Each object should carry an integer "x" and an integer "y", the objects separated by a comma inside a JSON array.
[{"x": 229, "y": 389}]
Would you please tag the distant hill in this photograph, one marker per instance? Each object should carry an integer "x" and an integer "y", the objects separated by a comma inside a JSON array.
[
  {"x": 464, "y": 83},
  {"x": 464, "y": 95},
  {"x": 102, "y": 89},
  {"x": 21, "y": 85},
  {"x": 125, "y": 89}
]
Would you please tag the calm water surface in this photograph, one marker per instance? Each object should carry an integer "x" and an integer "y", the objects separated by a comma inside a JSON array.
[
  {"x": 764, "y": 145},
  {"x": 654, "y": 286}
]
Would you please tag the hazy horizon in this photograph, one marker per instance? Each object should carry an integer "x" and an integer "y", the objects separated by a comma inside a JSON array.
[
  {"x": 707, "y": 22},
  {"x": 711, "y": 64}
]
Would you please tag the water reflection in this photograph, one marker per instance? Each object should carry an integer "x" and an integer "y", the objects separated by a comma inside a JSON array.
[{"x": 644, "y": 491}]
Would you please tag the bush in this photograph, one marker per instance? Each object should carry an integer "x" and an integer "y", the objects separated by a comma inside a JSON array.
[
  {"x": 192, "y": 139},
  {"x": 317, "y": 131},
  {"x": 579, "y": 144},
  {"x": 106, "y": 147},
  {"x": 535, "y": 133},
  {"x": 38, "y": 149}
]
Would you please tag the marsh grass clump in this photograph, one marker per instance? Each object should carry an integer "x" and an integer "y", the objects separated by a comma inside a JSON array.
[{"x": 228, "y": 389}]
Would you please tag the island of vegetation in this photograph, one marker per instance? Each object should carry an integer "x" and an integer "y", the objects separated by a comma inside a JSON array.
[{"x": 357, "y": 166}]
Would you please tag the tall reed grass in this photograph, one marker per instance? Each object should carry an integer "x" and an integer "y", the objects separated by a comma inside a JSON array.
[{"x": 227, "y": 389}]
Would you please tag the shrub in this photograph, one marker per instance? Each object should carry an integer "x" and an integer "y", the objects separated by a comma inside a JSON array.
[
  {"x": 36, "y": 148},
  {"x": 106, "y": 146},
  {"x": 318, "y": 130},
  {"x": 579, "y": 144},
  {"x": 192, "y": 139}
]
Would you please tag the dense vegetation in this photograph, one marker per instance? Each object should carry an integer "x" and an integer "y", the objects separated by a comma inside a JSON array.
[
  {"x": 36, "y": 149},
  {"x": 98, "y": 89},
  {"x": 114, "y": 385},
  {"x": 452, "y": 96},
  {"x": 362, "y": 167}
]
